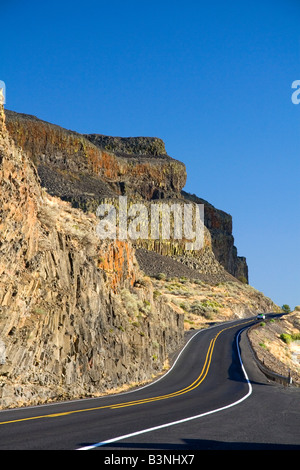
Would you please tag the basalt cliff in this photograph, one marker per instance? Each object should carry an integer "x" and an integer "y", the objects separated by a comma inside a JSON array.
[{"x": 83, "y": 316}]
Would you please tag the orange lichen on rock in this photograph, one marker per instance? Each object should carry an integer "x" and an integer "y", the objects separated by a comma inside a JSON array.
[{"x": 117, "y": 260}]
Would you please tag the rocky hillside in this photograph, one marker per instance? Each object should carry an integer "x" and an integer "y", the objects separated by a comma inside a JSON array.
[
  {"x": 80, "y": 316},
  {"x": 74, "y": 321},
  {"x": 85, "y": 169},
  {"x": 276, "y": 343}
]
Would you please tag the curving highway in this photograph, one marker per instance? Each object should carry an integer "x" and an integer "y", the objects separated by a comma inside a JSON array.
[{"x": 213, "y": 398}]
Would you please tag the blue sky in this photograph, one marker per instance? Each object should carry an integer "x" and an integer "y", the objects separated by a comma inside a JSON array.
[{"x": 212, "y": 79}]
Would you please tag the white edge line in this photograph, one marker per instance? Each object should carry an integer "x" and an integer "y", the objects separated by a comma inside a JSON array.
[{"x": 184, "y": 420}]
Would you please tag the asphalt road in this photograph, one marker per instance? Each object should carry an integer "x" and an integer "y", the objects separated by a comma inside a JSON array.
[{"x": 213, "y": 398}]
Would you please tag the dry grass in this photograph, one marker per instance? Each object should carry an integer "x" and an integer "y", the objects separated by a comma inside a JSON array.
[
  {"x": 279, "y": 356},
  {"x": 202, "y": 303}
]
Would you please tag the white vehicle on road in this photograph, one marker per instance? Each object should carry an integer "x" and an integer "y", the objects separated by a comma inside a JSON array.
[{"x": 261, "y": 316}]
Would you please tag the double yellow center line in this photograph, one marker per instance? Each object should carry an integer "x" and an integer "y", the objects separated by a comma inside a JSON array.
[{"x": 191, "y": 387}]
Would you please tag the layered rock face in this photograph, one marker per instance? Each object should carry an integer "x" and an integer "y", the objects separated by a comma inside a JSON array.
[
  {"x": 80, "y": 316},
  {"x": 219, "y": 224},
  {"x": 74, "y": 321},
  {"x": 86, "y": 169}
]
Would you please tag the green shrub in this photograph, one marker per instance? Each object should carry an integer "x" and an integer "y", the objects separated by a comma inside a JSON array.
[
  {"x": 286, "y": 338},
  {"x": 208, "y": 315},
  {"x": 40, "y": 311},
  {"x": 184, "y": 306},
  {"x": 197, "y": 307},
  {"x": 286, "y": 308},
  {"x": 161, "y": 276}
]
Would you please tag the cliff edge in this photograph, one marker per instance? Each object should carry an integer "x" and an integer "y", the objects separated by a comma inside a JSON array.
[
  {"x": 87, "y": 169},
  {"x": 80, "y": 316},
  {"x": 74, "y": 322}
]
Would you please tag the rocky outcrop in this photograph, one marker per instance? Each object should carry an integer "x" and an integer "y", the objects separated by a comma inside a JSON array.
[
  {"x": 86, "y": 169},
  {"x": 129, "y": 146},
  {"x": 79, "y": 167},
  {"x": 74, "y": 321},
  {"x": 277, "y": 347},
  {"x": 219, "y": 224},
  {"x": 81, "y": 316}
]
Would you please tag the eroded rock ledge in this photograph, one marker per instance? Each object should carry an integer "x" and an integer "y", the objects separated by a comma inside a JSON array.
[
  {"x": 85, "y": 169},
  {"x": 80, "y": 316},
  {"x": 73, "y": 321}
]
